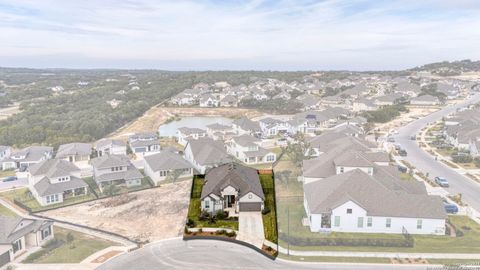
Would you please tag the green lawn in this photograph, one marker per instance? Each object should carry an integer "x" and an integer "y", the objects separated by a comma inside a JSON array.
[
  {"x": 194, "y": 209},
  {"x": 23, "y": 195},
  {"x": 269, "y": 219},
  {"x": 4, "y": 211},
  {"x": 407, "y": 177},
  {"x": 6, "y": 173},
  {"x": 469, "y": 243},
  {"x": 82, "y": 246}
]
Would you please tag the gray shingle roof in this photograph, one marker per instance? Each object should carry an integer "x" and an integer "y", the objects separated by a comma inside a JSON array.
[
  {"x": 109, "y": 161},
  {"x": 166, "y": 160},
  {"x": 107, "y": 142},
  {"x": 246, "y": 140},
  {"x": 45, "y": 188},
  {"x": 53, "y": 168},
  {"x": 15, "y": 227},
  {"x": 324, "y": 195},
  {"x": 247, "y": 124},
  {"x": 207, "y": 151},
  {"x": 82, "y": 149},
  {"x": 242, "y": 178}
]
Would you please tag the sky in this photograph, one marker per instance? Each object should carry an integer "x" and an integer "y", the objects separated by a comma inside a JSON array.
[{"x": 238, "y": 35}]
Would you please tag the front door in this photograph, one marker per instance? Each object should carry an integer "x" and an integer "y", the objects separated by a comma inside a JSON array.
[{"x": 229, "y": 201}]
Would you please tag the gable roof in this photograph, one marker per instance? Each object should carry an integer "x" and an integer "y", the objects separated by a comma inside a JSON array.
[
  {"x": 71, "y": 149},
  {"x": 15, "y": 227},
  {"x": 247, "y": 124},
  {"x": 109, "y": 161},
  {"x": 53, "y": 168},
  {"x": 166, "y": 160},
  {"x": 325, "y": 195},
  {"x": 208, "y": 151},
  {"x": 242, "y": 178}
]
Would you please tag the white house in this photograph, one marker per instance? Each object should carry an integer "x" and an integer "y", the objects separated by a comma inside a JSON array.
[
  {"x": 159, "y": 166},
  {"x": 184, "y": 134},
  {"x": 115, "y": 170},
  {"x": 205, "y": 154},
  {"x": 232, "y": 188},
  {"x": 247, "y": 149},
  {"x": 144, "y": 143},
  {"x": 246, "y": 126},
  {"x": 209, "y": 100},
  {"x": 272, "y": 127},
  {"x": 110, "y": 147},
  {"x": 75, "y": 152},
  {"x": 55, "y": 180},
  {"x": 26, "y": 157},
  {"x": 358, "y": 202}
]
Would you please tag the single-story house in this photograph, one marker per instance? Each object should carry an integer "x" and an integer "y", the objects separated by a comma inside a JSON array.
[
  {"x": 159, "y": 166},
  {"x": 233, "y": 188},
  {"x": 74, "y": 152},
  {"x": 23, "y": 158},
  {"x": 115, "y": 170},
  {"x": 206, "y": 153}
]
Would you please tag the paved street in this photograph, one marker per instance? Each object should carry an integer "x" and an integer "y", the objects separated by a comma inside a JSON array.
[
  {"x": 209, "y": 254},
  {"x": 21, "y": 182},
  {"x": 424, "y": 162}
]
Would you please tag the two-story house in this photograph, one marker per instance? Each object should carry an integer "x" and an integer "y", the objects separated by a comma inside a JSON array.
[
  {"x": 23, "y": 158},
  {"x": 247, "y": 149},
  {"x": 110, "y": 147},
  {"x": 75, "y": 152},
  {"x": 205, "y": 154},
  {"x": 186, "y": 133},
  {"x": 115, "y": 170},
  {"x": 272, "y": 127},
  {"x": 55, "y": 180},
  {"x": 144, "y": 143}
]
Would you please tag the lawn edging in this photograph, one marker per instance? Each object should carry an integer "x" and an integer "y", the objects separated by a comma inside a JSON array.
[{"x": 230, "y": 240}]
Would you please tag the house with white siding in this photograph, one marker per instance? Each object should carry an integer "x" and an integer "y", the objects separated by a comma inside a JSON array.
[
  {"x": 144, "y": 143},
  {"x": 75, "y": 152},
  {"x": 115, "y": 170},
  {"x": 247, "y": 149},
  {"x": 162, "y": 165},
  {"x": 206, "y": 153},
  {"x": 26, "y": 157},
  {"x": 55, "y": 180},
  {"x": 110, "y": 147},
  {"x": 184, "y": 134}
]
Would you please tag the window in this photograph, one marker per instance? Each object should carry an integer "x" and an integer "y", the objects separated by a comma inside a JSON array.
[
  {"x": 270, "y": 158},
  {"x": 349, "y": 210},
  {"x": 342, "y": 169},
  {"x": 419, "y": 224},
  {"x": 207, "y": 204},
  {"x": 388, "y": 223},
  {"x": 337, "y": 221},
  {"x": 46, "y": 232},
  {"x": 17, "y": 245},
  {"x": 360, "y": 222},
  {"x": 369, "y": 222}
]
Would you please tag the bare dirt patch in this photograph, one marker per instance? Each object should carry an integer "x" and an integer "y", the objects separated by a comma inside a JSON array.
[
  {"x": 152, "y": 215},
  {"x": 156, "y": 116}
]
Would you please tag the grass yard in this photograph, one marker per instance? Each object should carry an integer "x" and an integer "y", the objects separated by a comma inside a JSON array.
[
  {"x": 194, "y": 209},
  {"x": 4, "y": 211},
  {"x": 81, "y": 247},
  {"x": 407, "y": 177},
  {"x": 269, "y": 219},
  {"x": 24, "y": 196},
  {"x": 6, "y": 173},
  {"x": 469, "y": 243}
]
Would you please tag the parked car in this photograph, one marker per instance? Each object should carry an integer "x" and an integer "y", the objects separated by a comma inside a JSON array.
[
  {"x": 413, "y": 137},
  {"x": 450, "y": 208},
  {"x": 402, "y": 152},
  {"x": 441, "y": 181},
  {"x": 390, "y": 139},
  {"x": 10, "y": 179},
  {"x": 402, "y": 169}
]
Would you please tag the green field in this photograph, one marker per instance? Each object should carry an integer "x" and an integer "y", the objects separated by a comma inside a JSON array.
[
  {"x": 80, "y": 248},
  {"x": 4, "y": 211},
  {"x": 269, "y": 219}
]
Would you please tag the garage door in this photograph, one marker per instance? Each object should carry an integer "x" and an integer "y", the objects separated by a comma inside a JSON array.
[
  {"x": 250, "y": 207},
  {"x": 4, "y": 258}
]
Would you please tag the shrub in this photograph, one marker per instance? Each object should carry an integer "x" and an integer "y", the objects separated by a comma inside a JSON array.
[
  {"x": 461, "y": 158},
  {"x": 190, "y": 223},
  {"x": 186, "y": 231},
  {"x": 204, "y": 215},
  {"x": 269, "y": 248},
  {"x": 200, "y": 230},
  {"x": 221, "y": 232},
  {"x": 265, "y": 210},
  {"x": 466, "y": 228},
  {"x": 231, "y": 234},
  {"x": 459, "y": 233},
  {"x": 220, "y": 214}
]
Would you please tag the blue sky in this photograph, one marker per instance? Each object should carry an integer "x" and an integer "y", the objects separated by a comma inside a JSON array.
[{"x": 238, "y": 35}]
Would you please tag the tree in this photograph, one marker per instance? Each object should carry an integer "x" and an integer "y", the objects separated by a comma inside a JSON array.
[
  {"x": 298, "y": 150},
  {"x": 70, "y": 239}
]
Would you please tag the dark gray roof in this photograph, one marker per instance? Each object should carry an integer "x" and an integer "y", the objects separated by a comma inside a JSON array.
[
  {"x": 189, "y": 130},
  {"x": 217, "y": 126},
  {"x": 242, "y": 178},
  {"x": 131, "y": 173},
  {"x": 246, "y": 140},
  {"x": 324, "y": 195},
  {"x": 108, "y": 142},
  {"x": 207, "y": 151},
  {"x": 45, "y": 188},
  {"x": 136, "y": 144},
  {"x": 166, "y": 160},
  {"x": 71, "y": 149},
  {"x": 53, "y": 168},
  {"x": 15, "y": 227}
]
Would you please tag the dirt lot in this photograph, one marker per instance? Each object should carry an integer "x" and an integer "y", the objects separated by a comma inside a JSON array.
[
  {"x": 404, "y": 118},
  {"x": 152, "y": 214},
  {"x": 156, "y": 116},
  {"x": 9, "y": 111}
]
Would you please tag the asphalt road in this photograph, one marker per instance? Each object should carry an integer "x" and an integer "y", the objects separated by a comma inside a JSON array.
[
  {"x": 424, "y": 162},
  {"x": 212, "y": 255},
  {"x": 21, "y": 182}
]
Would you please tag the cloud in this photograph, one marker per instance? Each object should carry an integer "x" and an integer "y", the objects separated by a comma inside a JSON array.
[{"x": 255, "y": 34}]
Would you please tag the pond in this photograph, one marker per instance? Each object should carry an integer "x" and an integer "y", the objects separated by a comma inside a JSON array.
[{"x": 170, "y": 129}]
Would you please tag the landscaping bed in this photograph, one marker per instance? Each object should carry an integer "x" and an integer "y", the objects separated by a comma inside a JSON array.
[
  {"x": 68, "y": 247},
  {"x": 269, "y": 214}
]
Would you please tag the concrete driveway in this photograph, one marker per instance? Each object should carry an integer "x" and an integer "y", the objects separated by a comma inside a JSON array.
[{"x": 250, "y": 228}]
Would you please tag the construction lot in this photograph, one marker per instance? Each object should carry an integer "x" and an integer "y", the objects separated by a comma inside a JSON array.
[{"x": 147, "y": 215}]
